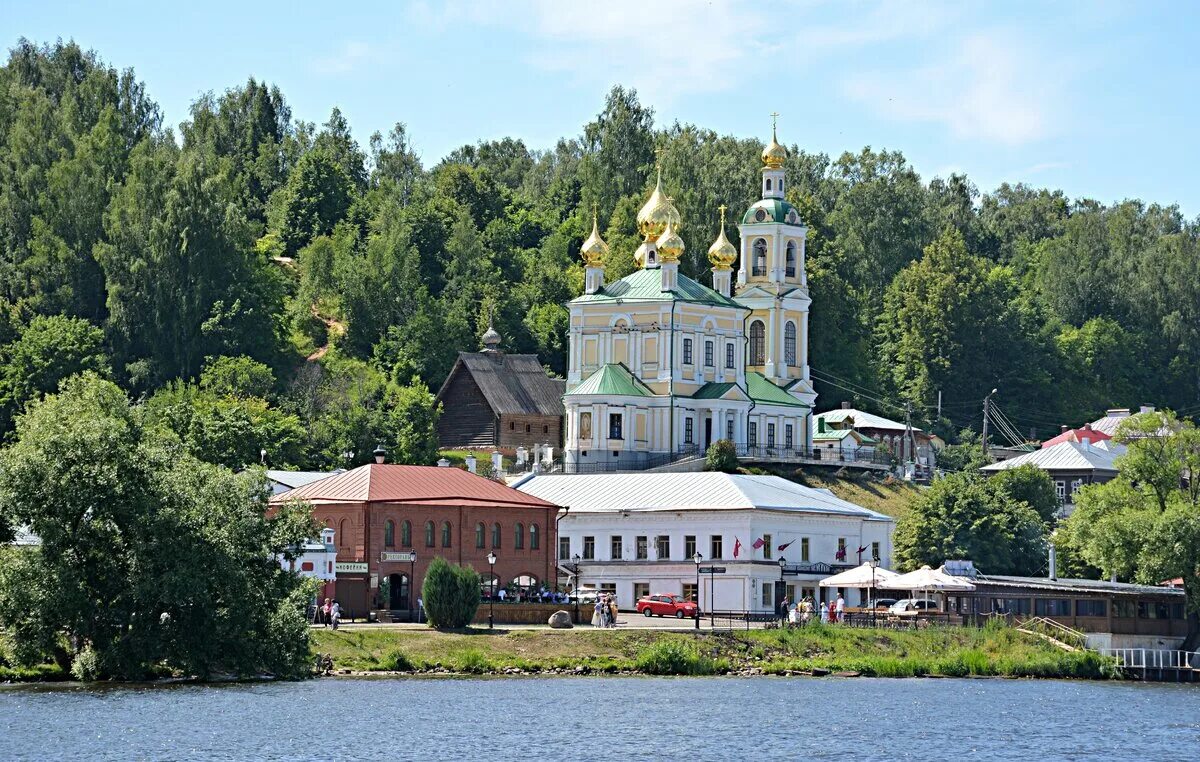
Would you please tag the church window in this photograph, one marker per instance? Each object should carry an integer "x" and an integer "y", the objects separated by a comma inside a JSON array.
[
  {"x": 760, "y": 258},
  {"x": 496, "y": 535},
  {"x": 768, "y": 183},
  {"x": 446, "y": 534},
  {"x": 479, "y": 535},
  {"x": 752, "y": 434},
  {"x": 729, "y": 355},
  {"x": 406, "y": 534},
  {"x": 758, "y": 343},
  {"x": 687, "y": 351},
  {"x": 790, "y": 262},
  {"x": 760, "y": 215},
  {"x": 787, "y": 436},
  {"x": 688, "y": 430},
  {"x": 789, "y": 342},
  {"x": 729, "y": 430},
  {"x": 770, "y": 435},
  {"x": 614, "y": 426},
  {"x": 429, "y": 534},
  {"x": 708, "y": 354},
  {"x": 781, "y": 185},
  {"x": 535, "y": 540},
  {"x": 519, "y": 536},
  {"x": 389, "y": 534}
]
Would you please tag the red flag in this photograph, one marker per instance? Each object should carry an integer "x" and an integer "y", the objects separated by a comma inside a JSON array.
[
  {"x": 758, "y": 543},
  {"x": 737, "y": 546},
  {"x": 784, "y": 546}
]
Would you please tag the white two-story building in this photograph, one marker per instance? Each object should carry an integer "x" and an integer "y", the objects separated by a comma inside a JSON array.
[{"x": 639, "y": 534}]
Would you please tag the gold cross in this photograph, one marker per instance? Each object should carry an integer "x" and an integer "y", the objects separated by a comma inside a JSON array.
[
  {"x": 774, "y": 118},
  {"x": 658, "y": 156},
  {"x": 722, "y": 208}
]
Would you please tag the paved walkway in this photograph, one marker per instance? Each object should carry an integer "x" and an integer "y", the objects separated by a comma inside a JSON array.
[{"x": 626, "y": 621}]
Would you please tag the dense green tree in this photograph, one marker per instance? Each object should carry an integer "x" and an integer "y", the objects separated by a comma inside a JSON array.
[
  {"x": 49, "y": 350},
  {"x": 317, "y": 195},
  {"x": 1032, "y": 486},
  {"x": 180, "y": 553},
  {"x": 450, "y": 594},
  {"x": 618, "y": 147}
]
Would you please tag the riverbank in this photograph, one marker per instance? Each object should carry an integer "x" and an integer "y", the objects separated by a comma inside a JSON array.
[{"x": 816, "y": 649}]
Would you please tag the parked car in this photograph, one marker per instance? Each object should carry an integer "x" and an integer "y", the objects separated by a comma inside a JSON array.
[
  {"x": 884, "y": 603},
  {"x": 912, "y": 605},
  {"x": 666, "y": 604}
]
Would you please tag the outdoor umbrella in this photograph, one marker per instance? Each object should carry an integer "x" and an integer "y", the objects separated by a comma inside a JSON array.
[
  {"x": 860, "y": 576},
  {"x": 927, "y": 579}
]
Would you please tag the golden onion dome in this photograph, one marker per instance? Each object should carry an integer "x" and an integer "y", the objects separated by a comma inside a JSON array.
[
  {"x": 594, "y": 250},
  {"x": 774, "y": 155},
  {"x": 657, "y": 213},
  {"x": 670, "y": 245},
  {"x": 722, "y": 254}
]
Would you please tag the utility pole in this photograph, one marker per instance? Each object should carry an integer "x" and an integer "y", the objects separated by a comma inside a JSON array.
[
  {"x": 987, "y": 404},
  {"x": 908, "y": 430},
  {"x": 939, "y": 415}
]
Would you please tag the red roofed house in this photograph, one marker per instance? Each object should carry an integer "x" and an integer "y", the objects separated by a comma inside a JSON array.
[
  {"x": 1083, "y": 434},
  {"x": 390, "y": 521}
]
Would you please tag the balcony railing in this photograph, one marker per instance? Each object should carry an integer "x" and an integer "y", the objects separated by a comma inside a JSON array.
[{"x": 774, "y": 454}]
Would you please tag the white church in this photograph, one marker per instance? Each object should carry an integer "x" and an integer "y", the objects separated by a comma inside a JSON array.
[{"x": 661, "y": 364}]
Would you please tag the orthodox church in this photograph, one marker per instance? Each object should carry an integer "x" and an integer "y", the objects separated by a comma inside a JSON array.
[{"x": 661, "y": 364}]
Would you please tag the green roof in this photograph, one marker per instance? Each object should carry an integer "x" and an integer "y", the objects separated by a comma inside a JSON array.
[
  {"x": 776, "y": 211},
  {"x": 713, "y": 391},
  {"x": 646, "y": 286},
  {"x": 835, "y": 434},
  {"x": 762, "y": 390},
  {"x": 613, "y": 380}
]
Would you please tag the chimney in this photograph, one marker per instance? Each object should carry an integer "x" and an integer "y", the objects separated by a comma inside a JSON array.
[
  {"x": 443, "y": 463},
  {"x": 470, "y": 459},
  {"x": 820, "y": 425},
  {"x": 1053, "y": 563},
  {"x": 380, "y": 454},
  {"x": 847, "y": 405}
]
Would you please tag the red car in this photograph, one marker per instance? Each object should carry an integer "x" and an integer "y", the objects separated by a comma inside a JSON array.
[{"x": 666, "y": 604}]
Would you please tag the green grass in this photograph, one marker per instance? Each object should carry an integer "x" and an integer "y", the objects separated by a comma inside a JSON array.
[
  {"x": 887, "y": 495},
  {"x": 949, "y": 651}
]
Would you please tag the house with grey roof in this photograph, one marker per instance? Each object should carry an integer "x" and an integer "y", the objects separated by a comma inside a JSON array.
[
  {"x": 906, "y": 443},
  {"x": 1070, "y": 465}
]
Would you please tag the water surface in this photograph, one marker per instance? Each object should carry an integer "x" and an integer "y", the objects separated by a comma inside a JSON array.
[{"x": 606, "y": 719}]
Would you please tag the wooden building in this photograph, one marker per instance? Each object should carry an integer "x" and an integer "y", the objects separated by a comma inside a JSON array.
[
  {"x": 390, "y": 521},
  {"x": 493, "y": 399}
]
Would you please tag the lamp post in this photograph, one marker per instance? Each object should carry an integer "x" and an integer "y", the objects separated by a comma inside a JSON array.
[
  {"x": 412, "y": 582},
  {"x": 575, "y": 561},
  {"x": 697, "y": 559},
  {"x": 491, "y": 559},
  {"x": 874, "y": 562},
  {"x": 782, "y": 588}
]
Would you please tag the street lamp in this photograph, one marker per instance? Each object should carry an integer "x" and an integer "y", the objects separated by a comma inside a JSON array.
[
  {"x": 697, "y": 559},
  {"x": 874, "y": 562},
  {"x": 575, "y": 560},
  {"x": 782, "y": 595},
  {"x": 491, "y": 559}
]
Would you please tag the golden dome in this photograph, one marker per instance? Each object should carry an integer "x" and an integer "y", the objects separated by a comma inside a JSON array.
[
  {"x": 670, "y": 245},
  {"x": 722, "y": 254},
  {"x": 774, "y": 155},
  {"x": 657, "y": 213},
  {"x": 594, "y": 250}
]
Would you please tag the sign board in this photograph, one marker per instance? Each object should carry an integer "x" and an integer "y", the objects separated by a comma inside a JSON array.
[
  {"x": 343, "y": 567},
  {"x": 404, "y": 556},
  {"x": 712, "y": 569}
]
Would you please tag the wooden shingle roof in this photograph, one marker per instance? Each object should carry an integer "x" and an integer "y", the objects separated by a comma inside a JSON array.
[{"x": 512, "y": 384}]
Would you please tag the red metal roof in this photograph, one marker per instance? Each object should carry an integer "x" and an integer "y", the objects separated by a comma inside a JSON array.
[
  {"x": 411, "y": 485},
  {"x": 1083, "y": 434}
]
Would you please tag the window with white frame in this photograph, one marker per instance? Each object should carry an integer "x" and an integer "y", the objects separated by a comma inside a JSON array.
[
  {"x": 708, "y": 354},
  {"x": 729, "y": 355},
  {"x": 687, "y": 351}
]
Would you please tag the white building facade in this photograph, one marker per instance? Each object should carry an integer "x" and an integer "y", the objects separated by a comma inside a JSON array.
[
  {"x": 660, "y": 363},
  {"x": 637, "y": 534}
]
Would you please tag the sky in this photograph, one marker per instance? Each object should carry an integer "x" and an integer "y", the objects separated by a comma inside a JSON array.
[{"x": 1094, "y": 98}]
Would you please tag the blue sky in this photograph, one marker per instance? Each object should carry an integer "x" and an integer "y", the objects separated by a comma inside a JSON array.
[{"x": 1095, "y": 98}]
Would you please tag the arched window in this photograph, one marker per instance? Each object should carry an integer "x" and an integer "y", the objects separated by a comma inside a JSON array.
[
  {"x": 496, "y": 535},
  {"x": 519, "y": 536},
  {"x": 343, "y": 539},
  {"x": 768, "y": 183},
  {"x": 760, "y": 258},
  {"x": 758, "y": 343},
  {"x": 790, "y": 262},
  {"x": 535, "y": 539},
  {"x": 429, "y": 534},
  {"x": 389, "y": 534},
  {"x": 406, "y": 534},
  {"x": 789, "y": 342},
  {"x": 781, "y": 185},
  {"x": 479, "y": 532},
  {"x": 445, "y": 534}
]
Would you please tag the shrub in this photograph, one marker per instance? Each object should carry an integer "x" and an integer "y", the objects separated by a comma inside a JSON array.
[
  {"x": 672, "y": 657},
  {"x": 450, "y": 594},
  {"x": 721, "y": 456},
  {"x": 474, "y": 661},
  {"x": 397, "y": 661},
  {"x": 86, "y": 666}
]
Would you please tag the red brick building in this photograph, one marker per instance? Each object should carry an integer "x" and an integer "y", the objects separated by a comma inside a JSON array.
[{"x": 382, "y": 513}]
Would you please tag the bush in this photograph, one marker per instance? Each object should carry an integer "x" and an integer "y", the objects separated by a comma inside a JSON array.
[
  {"x": 671, "y": 657},
  {"x": 86, "y": 666},
  {"x": 721, "y": 456},
  {"x": 397, "y": 661},
  {"x": 450, "y": 594}
]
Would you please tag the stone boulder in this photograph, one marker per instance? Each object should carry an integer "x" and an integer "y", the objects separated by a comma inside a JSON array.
[{"x": 560, "y": 620}]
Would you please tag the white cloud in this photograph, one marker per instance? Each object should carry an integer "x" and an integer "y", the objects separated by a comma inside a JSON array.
[
  {"x": 989, "y": 89},
  {"x": 348, "y": 58}
]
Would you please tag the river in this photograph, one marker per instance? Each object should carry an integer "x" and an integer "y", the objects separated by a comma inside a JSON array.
[{"x": 608, "y": 719}]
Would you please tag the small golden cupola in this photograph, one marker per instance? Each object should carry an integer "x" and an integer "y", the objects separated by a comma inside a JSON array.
[
  {"x": 774, "y": 155},
  {"x": 670, "y": 245},
  {"x": 594, "y": 253},
  {"x": 722, "y": 254}
]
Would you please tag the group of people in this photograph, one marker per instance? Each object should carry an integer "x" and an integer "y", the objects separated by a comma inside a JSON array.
[
  {"x": 521, "y": 595},
  {"x": 605, "y": 611},
  {"x": 328, "y": 614},
  {"x": 805, "y": 609}
]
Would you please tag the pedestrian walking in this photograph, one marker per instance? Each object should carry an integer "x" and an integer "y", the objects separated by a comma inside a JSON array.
[
  {"x": 335, "y": 614},
  {"x": 824, "y": 613},
  {"x": 841, "y": 608},
  {"x": 325, "y": 613}
]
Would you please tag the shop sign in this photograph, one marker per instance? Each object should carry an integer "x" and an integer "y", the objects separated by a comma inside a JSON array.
[
  {"x": 403, "y": 556},
  {"x": 344, "y": 567}
]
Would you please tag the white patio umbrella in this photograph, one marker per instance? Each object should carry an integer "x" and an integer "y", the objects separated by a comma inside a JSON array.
[
  {"x": 926, "y": 579},
  {"x": 860, "y": 576}
]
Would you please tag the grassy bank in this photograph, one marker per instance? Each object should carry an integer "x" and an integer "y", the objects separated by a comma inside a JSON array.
[{"x": 957, "y": 652}]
